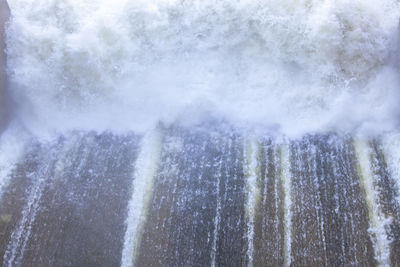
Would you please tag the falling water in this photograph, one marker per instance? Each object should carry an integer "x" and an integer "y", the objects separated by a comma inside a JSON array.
[
  {"x": 286, "y": 182},
  {"x": 376, "y": 218},
  {"x": 146, "y": 166},
  {"x": 252, "y": 193},
  {"x": 205, "y": 196},
  {"x": 200, "y": 133}
]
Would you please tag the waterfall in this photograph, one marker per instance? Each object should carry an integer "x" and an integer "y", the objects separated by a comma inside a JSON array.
[{"x": 199, "y": 133}]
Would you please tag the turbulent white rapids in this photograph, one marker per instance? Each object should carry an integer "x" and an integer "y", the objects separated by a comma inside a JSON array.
[
  {"x": 286, "y": 66},
  {"x": 201, "y": 133}
]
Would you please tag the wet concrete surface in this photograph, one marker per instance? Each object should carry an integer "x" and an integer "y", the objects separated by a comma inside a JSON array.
[{"x": 66, "y": 203}]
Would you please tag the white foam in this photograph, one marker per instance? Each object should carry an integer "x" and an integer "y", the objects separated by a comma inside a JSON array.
[{"x": 290, "y": 66}]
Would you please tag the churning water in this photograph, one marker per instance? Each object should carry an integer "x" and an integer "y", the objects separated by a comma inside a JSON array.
[{"x": 202, "y": 133}]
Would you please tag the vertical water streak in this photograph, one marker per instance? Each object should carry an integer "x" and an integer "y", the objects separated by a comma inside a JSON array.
[
  {"x": 269, "y": 222},
  {"x": 252, "y": 173},
  {"x": 47, "y": 158},
  {"x": 217, "y": 219},
  {"x": 182, "y": 211},
  {"x": 197, "y": 215},
  {"x": 232, "y": 240},
  {"x": 142, "y": 186},
  {"x": 318, "y": 156},
  {"x": 377, "y": 220},
  {"x": 391, "y": 150},
  {"x": 80, "y": 220},
  {"x": 330, "y": 219},
  {"x": 286, "y": 181},
  {"x": 391, "y": 154},
  {"x": 387, "y": 193}
]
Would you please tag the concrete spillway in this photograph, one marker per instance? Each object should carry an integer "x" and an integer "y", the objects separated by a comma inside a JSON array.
[
  {"x": 98, "y": 169},
  {"x": 197, "y": 197}
]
